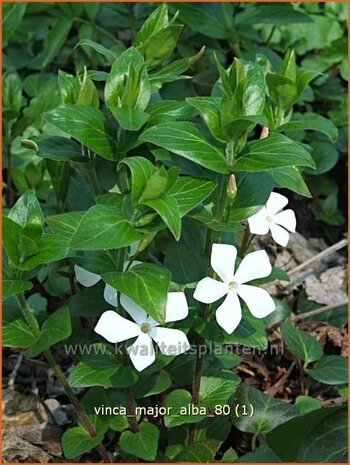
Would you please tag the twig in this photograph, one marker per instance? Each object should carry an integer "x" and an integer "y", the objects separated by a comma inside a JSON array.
[
  {"x": 329, "y": 251},
  {"x": 318, "y": 311},
  {"x": 334, "y": 402},
  {"x": 13, "y": 375},
  {"x": 272, "y": 391}
]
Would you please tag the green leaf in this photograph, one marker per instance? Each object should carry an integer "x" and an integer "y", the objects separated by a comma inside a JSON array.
[
  {"x": 143, "y": 444},
  {"x": 51, "y": 247},
  {"x": 77, "y": 441},
  {"x": 11, "y": 287},
  {"x": 169, "y": 110},
  {"x": 209, "y": 109},
  {"x": 11, "y": 236},
  {"x": 103, "y": 227},
  {"x": 327, "y": 442},
  {"x": 325, "y": 156},
  {"x": 152, "y": 385},
  {"x": 217, "y": 390},
  {"x": 301, "y": 344},
  {"x": 253, "y": 191},
  {"x": 88, "y": 126},
  {"x": 331, "y": 369},
  {"x": 291, "y": 440},
  {"x": 53, "y": 42},
  {"x": 212, "y": 20},
  {"x": 250, "y": 332},
  {"x": 313, "y": 122},
  {"x": 141, "y": 170},
  {"x": 11, "y": 93},
  {"x": 168, "y": 209},
  {"x": 190, "y": 192},
  {"x": 55, "y": 329},
  {"x": 65, "y": 224},
  {"x": 265, "y": 154},
  {"x": 110, "y": 55},
  {"x": 263, "y": 454},
  {"x": 102, "y": 369},
  {"x": 130, "y": 119},
  {"x": 282, "y": 90},
  {"x": 59, "y": 149},
  {"x": 179, "y": 401},
  {"x": 128, "y": 84},
  {"x": 156, "y": 185},
  {"x": 307, "y": 404},
  {"x": 199, "y": 452},
  {"x": 12, "y": 17},
  {"x": 160, "y": 45},
  {"x": 291, "y": 178},
  {"x": 146, "y": 284},
  {"x": 267, "y": 411},
  {"x": 16, "y": 332},
  {"x": 186, "y": 140},
  {"x": 271, "y": 14}
]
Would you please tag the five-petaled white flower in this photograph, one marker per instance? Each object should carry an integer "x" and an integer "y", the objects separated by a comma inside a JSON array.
[
  {"x": 255, "y": 265},
  {"x": 115, "y": 328},
  {"x": 270, "y": 218}
]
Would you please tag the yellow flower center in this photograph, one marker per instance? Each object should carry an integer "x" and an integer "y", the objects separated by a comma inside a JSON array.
[
  {"x": 146, "y": 328},
  {"x": 269, "y": 219},
  {"x": 233, "y": 286}
]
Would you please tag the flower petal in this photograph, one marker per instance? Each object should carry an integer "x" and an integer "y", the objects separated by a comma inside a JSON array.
[
  {"x": 275, "y": 203},
  {"x": 176, "y": 307},
  {"x": 286, "y": 219},
  {"x": 137, "y": 313},
  {"x": 259, "y": 301},
  {"x": 223, "y": 258},
  {"x": 141, "y": 352},
  {"x": 111, "y": 295},
  {"x": 258, "y": 223},
  {"x": 253, "y": 266},
  {"x": 209, "y": 290},
  {"x": 279, "y": 235},
  {"x": 170, "y": 341},
  {"x": 115, "y": 328},
  {"x": 229, "y": 314},
  {"x": 85, "y": 277},
  {"x": 133, "y": 248}
]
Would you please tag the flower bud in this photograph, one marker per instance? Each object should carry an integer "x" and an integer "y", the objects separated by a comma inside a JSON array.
[
  {"x": 231, "y": 189},
  {"x": 146, "y": 219},
  {"x": 29, "y": 144}
]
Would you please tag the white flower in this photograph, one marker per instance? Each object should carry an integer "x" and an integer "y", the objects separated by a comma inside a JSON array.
[
  {"x": 270, "y": 218},
  {"x": 87, "y": 279},
  {"x": 255, "y": 265},
  {"x": 115, "y": 328}
]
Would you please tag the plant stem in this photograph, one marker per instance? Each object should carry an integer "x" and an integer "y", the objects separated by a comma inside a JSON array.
[
  {"x": 92, "y": 177},
  {"x": 253, "y": 443},
  {"x": 245, "y": 242},
  {"x": 34, "y": 326}
]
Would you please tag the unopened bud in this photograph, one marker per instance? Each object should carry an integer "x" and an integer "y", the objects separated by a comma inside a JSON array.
[
  {"x": 231, "y": 189},
  {"x": 264, "y": 132},
  {"x": 146, "y": 219},
  {"x": 144, "y": 243},
  {"x": 29, "y": 144}
]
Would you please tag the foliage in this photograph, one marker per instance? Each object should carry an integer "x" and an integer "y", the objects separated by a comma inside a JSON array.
[{"x": 136, "y": 136}]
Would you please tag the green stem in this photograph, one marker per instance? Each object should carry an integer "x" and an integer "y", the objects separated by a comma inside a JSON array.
[
  {"x": 253, "y": 443},
  {"x": 92, "y": 177},
  {"x": 245, "y": 242},
  {"x": 34, "y": 326}
]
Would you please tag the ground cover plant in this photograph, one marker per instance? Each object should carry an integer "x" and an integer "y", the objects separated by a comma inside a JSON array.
[{"x": 173, "y": 232}]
